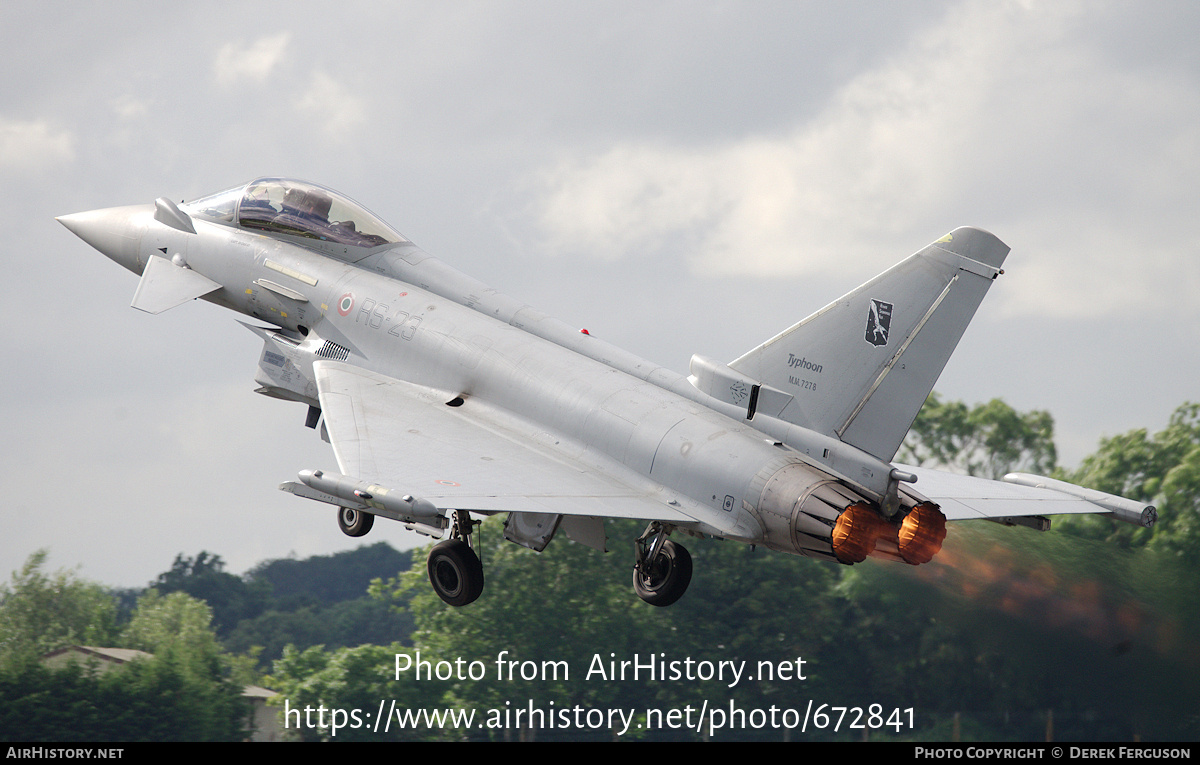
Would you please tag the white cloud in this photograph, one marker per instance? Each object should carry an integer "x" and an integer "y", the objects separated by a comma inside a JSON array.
[
  {"x": 335, "y": 109},
  {"x": 254, "y": 61},
  {"x": 33, "y": 144},
  {"x": 129, "y": 107},
  {"x": 1004, "y": 115}
]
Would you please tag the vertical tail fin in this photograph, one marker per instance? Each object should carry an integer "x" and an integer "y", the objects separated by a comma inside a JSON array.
[{"x": 861, "y": 367}]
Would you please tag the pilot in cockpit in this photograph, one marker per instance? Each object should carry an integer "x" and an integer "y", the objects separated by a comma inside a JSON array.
[
  {"x": 306, "y": 210},
  {"x": 295, "y": 208},
  {"x": 257, "y": 202}
]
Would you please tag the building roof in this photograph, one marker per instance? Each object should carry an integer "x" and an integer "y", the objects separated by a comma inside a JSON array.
[{"x": 116, "y": 655}]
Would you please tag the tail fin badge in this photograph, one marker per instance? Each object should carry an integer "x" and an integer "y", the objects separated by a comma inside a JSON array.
[{"x": 879, "y": 322}]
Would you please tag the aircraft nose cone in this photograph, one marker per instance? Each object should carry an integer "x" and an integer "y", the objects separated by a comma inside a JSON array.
[{"x": 114, "y": 231}]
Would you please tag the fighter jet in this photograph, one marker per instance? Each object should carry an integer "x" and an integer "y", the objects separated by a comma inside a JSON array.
[{"x": 445, "y": 400}]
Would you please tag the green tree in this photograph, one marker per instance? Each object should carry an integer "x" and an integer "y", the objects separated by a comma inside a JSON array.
[
  {"x": 181, "y": 693},
  {"x": 315, "y": 682},
  {"x": 986, "y": 440},
  {"x": 40, "y": 612},
  {"x": 177, "y": 629},
  {"x": 231, "y": 598},
  {"x": 1163, "y": 469},
  {"x": 150, "y": 699},
  {"x": 328, "y": 579},
  {"x": 343, "y": 624},
  {"x": 175, "y": 623}
]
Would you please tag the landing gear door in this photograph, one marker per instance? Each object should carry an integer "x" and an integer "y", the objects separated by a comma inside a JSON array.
[{"x": 532, "y": 530}]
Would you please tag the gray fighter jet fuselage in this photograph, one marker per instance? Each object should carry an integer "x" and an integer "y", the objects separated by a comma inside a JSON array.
[{"x": 444, "y": 398}]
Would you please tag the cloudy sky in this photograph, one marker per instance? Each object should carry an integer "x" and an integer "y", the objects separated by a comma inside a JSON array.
[{"x": 678, "y": 177}]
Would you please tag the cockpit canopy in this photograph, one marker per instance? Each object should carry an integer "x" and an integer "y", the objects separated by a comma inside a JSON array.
[{"x": 296, "y": 208}]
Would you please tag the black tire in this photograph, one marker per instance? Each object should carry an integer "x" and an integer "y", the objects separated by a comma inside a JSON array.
[
  {"x": 668, "y": 576},
  {"x": 354, "y": 523},
  {"x": 455, "y": 572}
]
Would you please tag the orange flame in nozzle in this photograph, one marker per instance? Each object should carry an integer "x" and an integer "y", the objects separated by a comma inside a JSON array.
[
  {"x": 860, "y": 528},
  {"x": 922, "y": 534},
  {"x": 855, "y": 533}
]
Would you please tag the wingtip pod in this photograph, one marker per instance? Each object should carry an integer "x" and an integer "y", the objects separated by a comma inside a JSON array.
[
  {"x": 976, "y": 244},
  {"x": 1137, "y": 513}
]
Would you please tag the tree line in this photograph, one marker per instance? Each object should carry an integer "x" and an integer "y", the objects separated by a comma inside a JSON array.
[{"x": 1085, "y": 632}]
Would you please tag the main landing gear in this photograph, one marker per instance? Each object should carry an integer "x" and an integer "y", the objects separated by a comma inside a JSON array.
[
  {"x": 663, "y": 569},
  {"x": 454, "y": 569}
]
